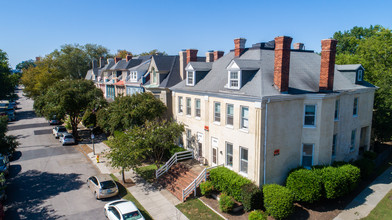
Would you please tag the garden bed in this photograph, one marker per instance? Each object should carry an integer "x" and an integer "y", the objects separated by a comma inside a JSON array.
[{"x": 213, "y": 203}]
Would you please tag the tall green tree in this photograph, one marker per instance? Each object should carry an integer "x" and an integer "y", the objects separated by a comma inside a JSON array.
[
  {"x": 372, "y": 47},
  {"x": 68, "y": 98},
  {"x": 25, "y": 65},
  {"x": 8, "y": 143},
  {"x": 128, "y": 111},
  {"x": 8, "y": 81}
]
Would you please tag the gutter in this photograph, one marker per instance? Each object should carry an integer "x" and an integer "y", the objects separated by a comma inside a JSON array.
[{"x": 265, "y": 139}]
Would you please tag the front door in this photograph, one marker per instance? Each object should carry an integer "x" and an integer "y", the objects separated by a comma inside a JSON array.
[{"x": 214, "y": 158}]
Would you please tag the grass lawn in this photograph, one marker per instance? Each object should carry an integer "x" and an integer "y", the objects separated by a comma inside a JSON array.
[
  {"x": 147, "y": 172},
  {"x": 195, "y": 209},
  {"x": 125, "y": 194},
  {"x": 383, "y": 210}
]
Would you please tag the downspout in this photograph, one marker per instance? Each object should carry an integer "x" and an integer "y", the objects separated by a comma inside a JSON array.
[{"x": 265, "y": 139}]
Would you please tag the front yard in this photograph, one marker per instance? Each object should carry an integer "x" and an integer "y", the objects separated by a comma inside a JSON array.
[
  {"x": 194, "y": 209},
  {"x": 383, "y": 210}
]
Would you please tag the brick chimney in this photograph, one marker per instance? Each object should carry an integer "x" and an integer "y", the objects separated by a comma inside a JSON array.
[
  {"x": 210, "y": 56},
  {"x": 239, "y": 46},
  {"x": 327, "y": 67},
  {"x": 282, "y": 63},
  {"x": 116, "y": 59},
  {"x": 218, "y": 54},
  {"x": 191, "y": 55},
  {"x": 299, "y": 46},
  {"x": 102, "y": 62},
  {"x": 182, "y": 55},
  {"x": 128, "y": 57}
]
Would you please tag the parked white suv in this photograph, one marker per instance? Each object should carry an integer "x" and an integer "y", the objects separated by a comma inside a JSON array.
[{"x": 58, "y": 130}]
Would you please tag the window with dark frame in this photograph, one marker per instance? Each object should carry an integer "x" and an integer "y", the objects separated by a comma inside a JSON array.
[{"x": 310, "y": 115}]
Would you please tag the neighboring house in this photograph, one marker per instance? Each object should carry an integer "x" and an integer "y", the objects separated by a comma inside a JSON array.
[
  {"x": 264, "y": 110},
  {"x": 133, "y": 78}
]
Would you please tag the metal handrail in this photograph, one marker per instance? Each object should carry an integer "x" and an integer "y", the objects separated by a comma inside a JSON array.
[
  {"x": 197, "y": 181},
  {"x": 183, "y": 155}
]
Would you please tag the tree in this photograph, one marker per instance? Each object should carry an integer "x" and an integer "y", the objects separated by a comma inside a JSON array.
[
  {"x": 128, "y": 111},
  {"x": 8, "y": 143},
  {"x": 25, "y": 65},
  {"x": 8, "y": 81},
  {"x": 68, "y": 97},
  {"x": 127, "y": 150},
  {"x": 153, "y": 52},
  {"x": 160, "y": 136},
  {"x": 372, "y": 48},
  {"x": 122, "y": 53}
]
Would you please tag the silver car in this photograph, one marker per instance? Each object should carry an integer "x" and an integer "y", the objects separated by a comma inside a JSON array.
[
  {"x": 67, "y": 138},
  {"x": 102, "y": 186},
  {"x": 58, "y": 130}
]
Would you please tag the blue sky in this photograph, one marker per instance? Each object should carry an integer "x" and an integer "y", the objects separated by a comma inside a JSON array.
[{"x": 36, "y": 28}]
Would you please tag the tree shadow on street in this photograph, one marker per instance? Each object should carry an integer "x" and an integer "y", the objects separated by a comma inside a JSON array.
[{"x": 28, "y": 191}]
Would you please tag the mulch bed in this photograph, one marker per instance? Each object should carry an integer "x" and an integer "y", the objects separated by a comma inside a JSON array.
[
  {"x": 128, "y": 183},
  {"x": 213, "y": 203}
]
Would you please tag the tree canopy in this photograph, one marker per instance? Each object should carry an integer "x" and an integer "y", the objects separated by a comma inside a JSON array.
[
  {"x": 128, "y": 111},
  {"x": 8, "y": 143},
  {"x": 371, "y": 47},
  {"x": 8, "y": 81},
  {"x": 68, "y": 97},
  {"x": 25, "y": 65}
]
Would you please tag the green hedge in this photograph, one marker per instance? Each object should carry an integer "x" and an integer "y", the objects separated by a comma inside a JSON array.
[
  {"x": 206, "y": 188},
  {"x": 278, "y": 201},
  {"x": 226, "y": 202},
  {"x": 339, "y": 181},
  {"x": 252, "y": 197},
  {"x": 228, "y": 181},
  {"x": 366, "y": 166},
  {"x": 306, "y": 185},
  {"x": 257, "y": 215}
]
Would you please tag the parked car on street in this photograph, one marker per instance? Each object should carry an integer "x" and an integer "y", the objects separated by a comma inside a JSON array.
[
  {"x": 54, "y": 121},
  {"x": 122, "y": 210},
  {"x": 4, "y": 164},
  {"x": 67, "y": 138},
  {"x": 102, "y": 186},
  {"x": 58, "y": 130}
]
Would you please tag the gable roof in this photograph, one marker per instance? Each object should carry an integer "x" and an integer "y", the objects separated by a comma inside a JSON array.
[{"x": 199, "y": 66}]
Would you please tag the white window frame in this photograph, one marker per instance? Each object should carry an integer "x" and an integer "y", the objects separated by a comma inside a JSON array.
[
  {"x": 247, "y": 161},
  {"x": 337, "y": 108},
  {"x": 133, "y": 77},
  {"x": 229, "y": 155},
  {"x": 180, "y": 105},
  {"x": 188, "y": 108},
  {"x": 192, "y": 78},
  {"x": 242, "y": 118},
  {"x": 215, "y": 113},
  {"x": 315, "y": 116},
  {"x": 302, "y": 154},
  {"x": 352, "y": 139},
  {"x": 355, "y": 107},
  {"x": 239, "y": 74},
  {"x": 360, "y": 75},
  {"x": 227, "y": 115},
  {"x": 197, "y": 110}
]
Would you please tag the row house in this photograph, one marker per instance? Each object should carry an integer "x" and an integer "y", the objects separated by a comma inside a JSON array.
[{"x": 266, "y": 109}]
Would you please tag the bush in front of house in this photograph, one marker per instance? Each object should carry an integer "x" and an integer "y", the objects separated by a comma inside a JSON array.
[
  {"x": 206, "y": 188},
  {"x": 226, "y": 202},
  {"x": 353, "y": 175},
  {"x": 278, "y": 201},
  {"x": 339, "y": 181},
  {"x": 252, "y": 197},
  {"x": 228, "y": 181},
  {"x": 257, "y": 215},
  {"x": 305, "y": 185},
  {"x": 366, "y": 166},
  {"x": 339, "y": 163}
]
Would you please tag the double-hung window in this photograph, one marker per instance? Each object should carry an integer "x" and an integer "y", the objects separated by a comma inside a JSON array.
[
  {"x": 133, "y": 76},
  {"x": 355, "y": 107},
  {"x": 234, "y": 79},
  {"x": 180, "y": 105},
  {"x": 352, "y": 144},
  {"x": 188, "y": 138},
  {"x": 337, "y": 103},
  {"x": 217, "y": 113},
  {"x": 310, "y": 115},
  {"x": 229, "y": 154},
  {"x": 197, "y": 108},
  {"x": 190, "y": 78},
  {"x": 244, "y": 117},
  {"x": 230, "y": 114},
  {"x": 243, "y": 160},
  {"x": 188, "y": 106},
  {"x": 307, "y": 155}
]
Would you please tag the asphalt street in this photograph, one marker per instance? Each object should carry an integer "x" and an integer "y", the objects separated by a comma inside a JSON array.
[{"x": 47, "y": 180}]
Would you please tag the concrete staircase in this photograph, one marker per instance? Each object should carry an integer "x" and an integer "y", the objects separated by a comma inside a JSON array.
[{"x": 180, "y": 176}]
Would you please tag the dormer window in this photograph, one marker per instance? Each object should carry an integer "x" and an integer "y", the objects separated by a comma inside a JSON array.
[
  {"x": 234, "y": 79},
  {"x": 133, "y": 76},
  {"x": 190, "y": 78},
  {"x": 360, "y": 75}
]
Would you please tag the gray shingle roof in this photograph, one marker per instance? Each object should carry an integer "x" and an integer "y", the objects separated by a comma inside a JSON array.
[
  {"x": 200, "y": 66},
  {"x": 348, "y": 67}
]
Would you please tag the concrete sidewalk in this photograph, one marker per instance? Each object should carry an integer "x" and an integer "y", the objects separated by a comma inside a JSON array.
[
  {"x": 368, "y": 199},
  {"x": 160, "y": 204}
]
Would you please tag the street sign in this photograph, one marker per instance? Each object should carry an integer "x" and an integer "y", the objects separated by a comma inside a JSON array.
[{"x": 92, "y": 136}]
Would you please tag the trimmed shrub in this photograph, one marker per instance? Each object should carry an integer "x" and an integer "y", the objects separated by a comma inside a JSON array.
[
  {"x": 352, "y": 174},
  {"x": 226, "y": 202},
  {"x": 295, "y": 169},
  {"x": 257, "y": 215},
  {"x": 228, "y": 181},
  {"x": 206, "y": 188},
  {"x": 339, "y": 181},
  {"x": 370, "y": 155},
  {"x": 305, "y": 185},
  {"x": 278, "y": 201},
  {"x": 252, "y": 197},
  {"x": 366, "y": 166}
]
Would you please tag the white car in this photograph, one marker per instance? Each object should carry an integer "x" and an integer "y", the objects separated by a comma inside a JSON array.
[
  {"x": 57, "y": 130},
  {"x": 66, "y": 138},
  {"x": 122, "y": 210}
]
